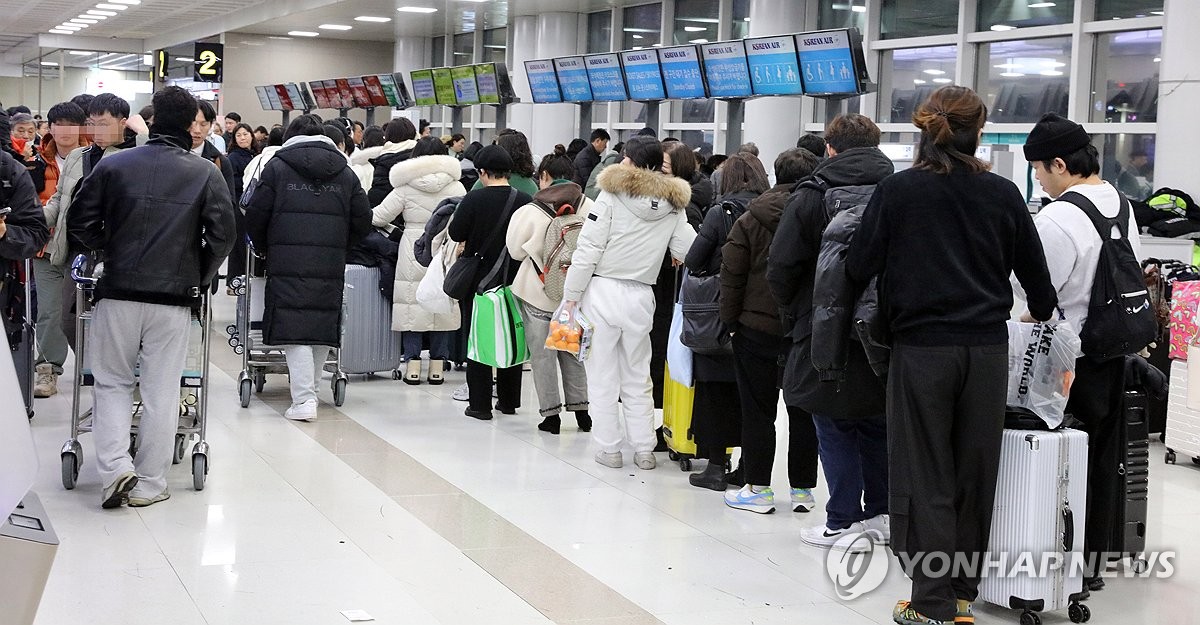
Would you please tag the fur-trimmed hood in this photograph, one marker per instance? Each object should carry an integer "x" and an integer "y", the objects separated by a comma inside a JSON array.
[
  {"x": 430, "y": 174},
  {"x": 642, "y": 190},
  {"x": 364, "y": 156}
]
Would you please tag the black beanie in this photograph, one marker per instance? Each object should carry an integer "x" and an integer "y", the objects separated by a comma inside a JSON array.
[
  {"x": 1055, "y": 136},
  {"x": 494, "y": 160}
]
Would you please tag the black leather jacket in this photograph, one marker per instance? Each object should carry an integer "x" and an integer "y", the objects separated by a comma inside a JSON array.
[
  {"x": 161, "y": 216},
  {"x": 26, "y": 230}
]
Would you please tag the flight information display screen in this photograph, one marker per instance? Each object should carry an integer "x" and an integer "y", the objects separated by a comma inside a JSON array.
[
  {"x": 604, "y": 74},
  {"x": 774, "y": 69},
  {"x": 465, "y": 89},
  {"x": 543, "y": 82},
  {"x": 643, "y": 75},
  {"x": 726, "y": 70},
  {"x": 827, "y": 62},
  {"x": 681, "y": 73},
  {"x": 573, "y": 79}
]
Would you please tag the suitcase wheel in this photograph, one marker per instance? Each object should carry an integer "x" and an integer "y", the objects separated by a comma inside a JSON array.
[
  {"x": 1195, "y": 460},
  {"x": 1170, "y": 457},
  {"x": 1077, "y": 612},
  {"x": 1030, "y": 618},
  {"x": 1139, "y": 565},
  {"x": 685, "y": 464},
  {"x": 673, "y": 456}
]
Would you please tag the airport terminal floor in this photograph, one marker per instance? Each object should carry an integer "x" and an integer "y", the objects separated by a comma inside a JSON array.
[{"x": 398, "y": 506}]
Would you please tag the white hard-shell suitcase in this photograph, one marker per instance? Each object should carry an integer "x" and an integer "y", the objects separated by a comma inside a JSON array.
[
  {"x": 368, "y": 343},
  {"x": 1039, "y": 513},
  {"x": 1182, "y": 433}
]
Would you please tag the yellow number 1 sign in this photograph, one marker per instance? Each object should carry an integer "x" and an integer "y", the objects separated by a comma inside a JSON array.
[{"x": 209, "y": 62}]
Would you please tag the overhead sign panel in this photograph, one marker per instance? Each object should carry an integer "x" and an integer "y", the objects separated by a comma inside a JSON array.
[
  {"x": 543, "y": 82},
  {"x": 643, "y": 75},
  {"x": 726, "y": 70},
  {"x": 573, "y": 79},
  {"x": 827, "y": 62},
  {"x": 682, "y": 77},
  {"x": 773, "y": 66},
  {"x": 604, "y": 76}
]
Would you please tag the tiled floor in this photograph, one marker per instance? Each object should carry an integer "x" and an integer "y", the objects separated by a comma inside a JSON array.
[{"x": 398, "y": 505}]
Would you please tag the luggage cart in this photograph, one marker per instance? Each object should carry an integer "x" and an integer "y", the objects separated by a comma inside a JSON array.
[
  {"x": 246, "y": 339},
  {"x": 193, "y": 407}
]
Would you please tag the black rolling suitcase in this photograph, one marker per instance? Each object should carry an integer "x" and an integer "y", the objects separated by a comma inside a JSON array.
[
  {"x": 1134, "y": 474},
  {"x": 16, "y": 308}
]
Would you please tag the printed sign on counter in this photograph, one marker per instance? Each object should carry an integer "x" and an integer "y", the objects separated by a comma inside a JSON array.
[
  {"x": 643, "y": 75},
  {"x": 726, "y": 70},
  {"x": 681, "y": 72},
  {"x": 604, "y": 74},
  {"x": 773, "y": 66},
  {"x": 543, "y": 83},
  {"x": 573, "y": 78}
]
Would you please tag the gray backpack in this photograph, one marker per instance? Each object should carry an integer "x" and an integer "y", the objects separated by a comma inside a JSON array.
[{"x": 561, "y": 239}]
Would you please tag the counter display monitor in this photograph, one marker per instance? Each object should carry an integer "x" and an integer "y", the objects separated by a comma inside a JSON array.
[
  {"x": 402, "y": 92},
  {"x": 263, "y": 100},
  {"x": 333, "y": 94},
  {"x": 543, "y": 83},
  {"x": 604, "y": 76},
  {"x": 285, "y": 100},
  {"x": 319, "y": 94},
  {"x": 726, "y": 70},
  {"x": 466, "y": 92},
  {"x": 347, "y": 92},
  {"x": 375, "y": 90},
  {"x": 830, "y": 62},
  {"x": 362, "y": 97},
  {"x": 443, "y": 86},
  {"x": 391, "y": 92},
  {"x": 573, "y": 79},
  {"x": 422, "y": 84},
  {"x": 682, "y": 78},
  {"x": 494, "y": 85},
  {"x": 273, "y": 98},
  {"x": 296, "y": 97},
  {"x": 773, "y": 66},
  {"x": 310, "y": 102},
  {"x": 643, "y": 75}
]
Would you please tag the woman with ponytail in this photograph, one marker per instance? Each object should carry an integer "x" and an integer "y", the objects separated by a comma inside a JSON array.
[{"x": 944, "y": 237}]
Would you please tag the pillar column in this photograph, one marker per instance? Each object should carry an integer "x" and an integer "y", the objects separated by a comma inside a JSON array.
[
  {"x": 773, "y": 124},
  {"x": 544, "y": 36},
  {"x": 1179, "y": 90}
]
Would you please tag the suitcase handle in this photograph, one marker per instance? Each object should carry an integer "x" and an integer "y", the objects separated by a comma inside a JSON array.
[{"x": 1068, "y": 530}]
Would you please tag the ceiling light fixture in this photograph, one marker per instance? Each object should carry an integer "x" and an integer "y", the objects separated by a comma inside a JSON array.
[
  {"x": 1158, "y": 59},
  {"x": 49, "y": 64},
  {"x": 79, "y": 20},
  {"x": 1002, "y": 27},
  {"x": 104, "y": 13},
  {"x": 417, "y": 10},
  {"x": 186, "y": 59},
  {"x": 302, "y": 33},
  {"x": 1012, "y": 74},
  {"x": 856, "y": 9},
  {"x": 335, "y": 27},
  {"x": 1051, "y": 72},
  {"x": 126, "y": 1},
  {"x": 638, "y": 37},
  {"x": 372, "y": 18},
  {"x": 279, "y": 38},
  {"x": 918, "y": 81},
  {"x": 942, "y": 81},
  {"x": 93, "y": 17},
  {"x": 935, "y": 72},
  {"x": 1041, "y": 5},
  {"x": 698, "y": 41},
  {"x": 70, "y": 26},
  {"x": 59, "y": 31},
  {"x": 112, "y": 7},
  {"x": 694, "y": 29},
  {"x": 79, "y": 52}
]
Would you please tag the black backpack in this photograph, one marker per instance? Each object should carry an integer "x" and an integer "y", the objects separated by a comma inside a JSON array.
[{"x": 1121, "y": 320}]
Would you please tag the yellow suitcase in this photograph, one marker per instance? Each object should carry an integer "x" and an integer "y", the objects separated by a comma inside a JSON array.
[{"x": 677, "y": 422}]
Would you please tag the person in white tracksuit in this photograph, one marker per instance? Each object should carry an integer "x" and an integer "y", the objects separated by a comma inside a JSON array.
[{"x": 638, "y": 216}]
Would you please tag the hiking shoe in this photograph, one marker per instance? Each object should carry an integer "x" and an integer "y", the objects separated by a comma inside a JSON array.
[
  {"x": 964, "y": 616},
  {"x": 822, "y": 536},
  {"x": 462, "y": 393},
  {"x": 802, "y": 500},
  {"x": 904, "y": 614},
  {"x": 762, "y": 502},
  {"x": 880, "y": 528},
  {"x": 117, "y": 494},
  {"x": 136, "y": 501},
  {"x": 551, "y": 424},
  {"x": 46, "y": 384},
  {"x": 645, "y": 460},
  {"x": 613, "y": 460},
  {"x": 584, "y": 420},
  {"x": 304, "y": 411}
]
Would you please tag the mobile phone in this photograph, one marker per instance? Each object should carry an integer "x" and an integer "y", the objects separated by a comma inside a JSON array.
[{"x": 6, "y": 210}]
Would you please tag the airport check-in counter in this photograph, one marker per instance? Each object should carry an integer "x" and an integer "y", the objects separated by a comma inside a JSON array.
[{"x": 27, "y": 548}]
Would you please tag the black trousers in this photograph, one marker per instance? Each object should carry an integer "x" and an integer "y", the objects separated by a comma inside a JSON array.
[
  {"x": 1097, "y": 396},
  {"x": 479, "y": 381},
  {"x": 945, "y": 418},
  {"x": 757, "y": 370}
]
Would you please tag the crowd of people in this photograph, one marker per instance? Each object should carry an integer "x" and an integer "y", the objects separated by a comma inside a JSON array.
[{"x": 883, "y": 331}]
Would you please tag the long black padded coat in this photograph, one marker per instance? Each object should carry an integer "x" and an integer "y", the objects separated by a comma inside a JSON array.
[{"x": 308, "y": 210}]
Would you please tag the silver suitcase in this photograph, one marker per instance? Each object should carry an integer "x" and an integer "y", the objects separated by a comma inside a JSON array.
[
  {"x": 1040, "y": 504},
  {"x": 1183, "y": 424},
  {"x": 368, "y": 343}
]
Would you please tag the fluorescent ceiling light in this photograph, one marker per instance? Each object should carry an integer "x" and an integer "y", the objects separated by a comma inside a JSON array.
[
  {"x": 83, "y": 20},
  {"x": 1012, "y": 74},
  {"x": 59, "y": 31},
  {"x": 701, "y": 40},
  {"x": 71, "y": 27},
  {"x": 918, "y": 81},
  {"x": 186, "y": 59},
  {"x": 126, "y": 1},
  {"x": 935, "y": 72},
  {"x": 1051, "y": 72},
  {"x": 657, "y": 45},
  {"x": 93, "y": 17},
  {"x": 104, "y": 13},
  {"x": 1002, "y": 27},
  {"x": 1054, "y": 64},
  {"x": 49, "y": 64},
  {"x": 279, "y": 38},
  {"x": 1158, "y": 59},
  {"x": 417, "y": 10},
  {"x": 640, "y": 30},
  {"x": 112, "y": 7},
  {"x": 372, "y": 18},
  {"x": 1156, "y": 13},
  {"x": 335, "y": 27},
  {"x": 638, "y": 37},
  {"x": 694, "y": 29},
  {"x": 147, "y": 59},
  {"x": 856, "y": 9},
  {"x": 1041, "y": 5},
  {"x": 302, "y": 33},
  {"x": 942, "y": 81},
  {"x": 634, "y": 47},
  {"x": 79, "y": 52}
]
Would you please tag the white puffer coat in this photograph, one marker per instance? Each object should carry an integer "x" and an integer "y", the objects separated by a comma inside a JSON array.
[{"x": 419, "y": 184}]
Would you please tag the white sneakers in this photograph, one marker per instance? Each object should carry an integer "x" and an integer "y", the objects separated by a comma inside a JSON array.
[
  {"x": 306, "y": 411},
  {"x": 612, "y": 460},
  {"x": 645, "y": 460},
  {"x": 462, "y": 393},
  {"x": 879, "y": 528}
]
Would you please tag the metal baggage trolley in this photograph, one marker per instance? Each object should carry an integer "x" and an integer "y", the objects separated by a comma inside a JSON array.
[
  {"x": 193, "y": 406},
  {"x": 246, "y": 338}
]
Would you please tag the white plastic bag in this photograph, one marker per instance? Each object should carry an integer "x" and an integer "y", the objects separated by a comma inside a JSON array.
[
  {"x": 430, "y": 294},
  {"x": 679, "y": 358},
  {"x": 571, "y": 332},
  {"x": 1041, "y": 368}
]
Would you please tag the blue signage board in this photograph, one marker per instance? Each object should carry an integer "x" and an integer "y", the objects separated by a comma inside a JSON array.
[
  {"x": 773, "y": 66},
  {"x": 726, "y": 70},
  {"x": 827, "y": 63},
  {"x": 643, "y": 75},
  {"x": 543, "y": 83},
  {"x": 604, "y": 74},
  {"x": 682, "y": 77},
  {"x": 573, "y": 79}
]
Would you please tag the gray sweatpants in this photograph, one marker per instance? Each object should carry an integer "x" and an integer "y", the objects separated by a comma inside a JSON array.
[
  {"x": 120, "y": 332},
  {"x": 546, "y": 364},
  {"x": 305, "y": 364},
  {"x": 51, "y": 341}
]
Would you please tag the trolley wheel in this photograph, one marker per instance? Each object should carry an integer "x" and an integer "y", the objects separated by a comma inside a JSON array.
[
  {"x": 199, "y": 470},
  {"x": 685, "y": 464},
  {"x": 339, "y": 392},
  {"x": 1139, "y": 565},
  {"x": 239, "y": 349},
  {"x": 260, "y": 380},
  {"x": 1030, "y": 618},
  {"x": 181, "y": 445},
  {"x": 672, "y": 455},
  {"x": 231, "y": 329},
  {"x": 1195, "y": 459},
  {"x": 396, "y": 375},
  {"x": 1170, "y": 458},
  {"x": 70, "y": 470},
  {"x": 234, "y": 341},
  {"x": 244, "y": 392}
]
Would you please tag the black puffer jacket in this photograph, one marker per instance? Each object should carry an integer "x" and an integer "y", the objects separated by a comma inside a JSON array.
[
  {"x": 791, "y": 274},
  {"x": 26, "y": 230},
  {"x": 307, "y": 212},
  {"x": 702, "y": 198},
  {"x": 381, "y": 182},
  {"x": 162, "y": 218}
]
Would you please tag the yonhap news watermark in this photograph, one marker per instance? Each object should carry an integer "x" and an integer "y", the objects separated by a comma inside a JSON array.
[{"x": 858, "y": 564}]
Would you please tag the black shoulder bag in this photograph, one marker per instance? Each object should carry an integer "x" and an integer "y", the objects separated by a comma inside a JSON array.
[{"x": 462, "y": 279}]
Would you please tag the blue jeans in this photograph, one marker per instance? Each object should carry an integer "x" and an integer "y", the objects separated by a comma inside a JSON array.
[
  {"x": 854, "y": 455},
  {"x": 439, "y": 345}
]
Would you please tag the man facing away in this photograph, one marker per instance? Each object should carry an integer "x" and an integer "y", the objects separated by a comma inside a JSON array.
[{"x": 163, "y": 220}]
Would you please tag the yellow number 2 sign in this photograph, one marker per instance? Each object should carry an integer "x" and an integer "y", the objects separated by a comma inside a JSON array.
[{"x": 209, "y": 62}]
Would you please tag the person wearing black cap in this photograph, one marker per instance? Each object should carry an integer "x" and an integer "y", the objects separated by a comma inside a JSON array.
[
  {"x": 481, "y": 221},
  {"x": 1068, "y": 167}
]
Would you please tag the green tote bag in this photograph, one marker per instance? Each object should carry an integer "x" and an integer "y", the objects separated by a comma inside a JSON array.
[{"x": 497, "y": 334}]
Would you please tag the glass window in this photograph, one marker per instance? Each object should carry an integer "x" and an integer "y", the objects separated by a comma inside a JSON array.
[
  {"x": 1118, "y": 9},
  {"x": 599, "y": 32},
  {"x": 695, "y": 21},
  {"x": 694, "y": 111},
  {"x": 911, "y": 75},
  {"x": 439, "y": 52},
  {"x": 741, "y": 19},
  {"x": 1022, "y": 80},
  {"x": 464, "y": 49},
  {"x": 842, "y": 14},
  {"x": 1126, "y": 88},
  {"x": 917, "y": 18},
  {"x": 643, "y": 26},
  {"x": 1127, "y": 161},
  {"x": 495, "y": 45},
  {"x": 1003, "y": 15}
]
